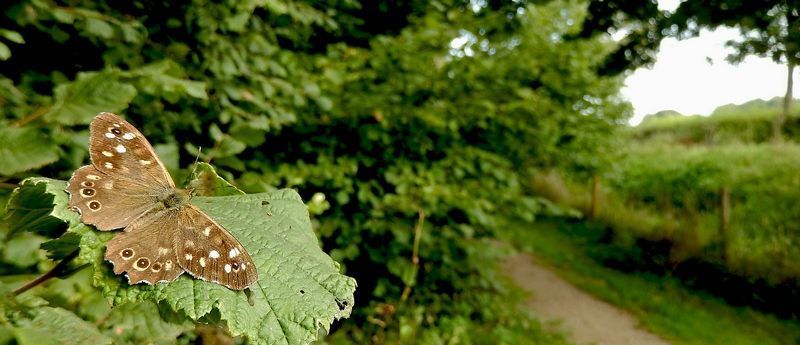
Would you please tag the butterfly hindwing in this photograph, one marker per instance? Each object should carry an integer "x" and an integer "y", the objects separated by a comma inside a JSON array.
[
  {"x": 145, "y": 251},
  {"x": 106, "y": 202},
  {"x": 209, "y": 252},
  {"x": 117, "y": 148}
]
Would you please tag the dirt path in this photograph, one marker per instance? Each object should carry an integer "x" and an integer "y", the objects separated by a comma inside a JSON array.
[{"x": 586, "y": 318}]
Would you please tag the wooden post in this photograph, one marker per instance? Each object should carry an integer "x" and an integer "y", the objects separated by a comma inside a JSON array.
[
  {"x": 724, "y": 217},
  {"x": 595, "y": 196}
]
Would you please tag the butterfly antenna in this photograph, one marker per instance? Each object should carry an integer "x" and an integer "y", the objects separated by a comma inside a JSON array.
[
  {"x": 194, "y": 167},
  {"x": 196, "y": 159}
]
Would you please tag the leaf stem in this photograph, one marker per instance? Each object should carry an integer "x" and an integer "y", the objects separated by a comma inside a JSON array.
[
  {"x": 414, "y": 254},
  {"x": 52, "y": 273}
]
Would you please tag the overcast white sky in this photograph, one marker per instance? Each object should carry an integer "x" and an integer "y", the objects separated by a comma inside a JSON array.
[{"x": 682, "y": 79}]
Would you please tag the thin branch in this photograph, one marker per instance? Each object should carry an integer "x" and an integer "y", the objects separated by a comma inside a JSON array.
[
  {"x": 6, "y": 185},
  {"x": 56, "y": 271},
  {"x": 30, "y": 117},
  {"x": 414, "y": 254}
]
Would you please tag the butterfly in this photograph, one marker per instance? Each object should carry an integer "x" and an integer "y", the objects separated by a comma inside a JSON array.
[{"x": 127, "y": 186}]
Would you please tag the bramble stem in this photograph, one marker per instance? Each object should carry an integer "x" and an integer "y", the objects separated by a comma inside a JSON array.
[
  {"x": 52, "y": 273},
  {"x": 414, "y": 254}
]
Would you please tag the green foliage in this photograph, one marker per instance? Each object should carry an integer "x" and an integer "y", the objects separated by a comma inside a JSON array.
[
  {"x": 295, "y": 278},
  {"x": 750, "y": 122},
  {"x": 579, "y": 252},
  {"x": 688, "y": 182},
  {"x": 379, "y": 121},
  {"x": 22, "y": 149},
  {"x": 73, "y": 304}
]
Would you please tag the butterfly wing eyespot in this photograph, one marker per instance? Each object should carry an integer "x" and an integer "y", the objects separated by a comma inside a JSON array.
[
  {"x": 211, "y": 253},
  {"x": 144, "y": 251}
]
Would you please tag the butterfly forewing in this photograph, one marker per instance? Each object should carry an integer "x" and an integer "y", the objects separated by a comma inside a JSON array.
[
  {"x": 117, "y": 148},
  {"x": 145, "y": 251},
  {"x": 107, "y": 202},
  {"x": 209, "y": 252}
]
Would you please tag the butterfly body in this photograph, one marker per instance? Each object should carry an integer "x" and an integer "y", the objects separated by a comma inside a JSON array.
[
  {"x": 127, "y": 186},
  {"x": 172, "y": 199}
]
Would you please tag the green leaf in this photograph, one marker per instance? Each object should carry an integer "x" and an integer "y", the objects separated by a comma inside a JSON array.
[
  {"x": 57, "y": 326},
  {"x": 78, "y": 102},
  {"x": 61, "y": 247},
  {"x": 99, "y": 28},
  {"x": 22, "y": 250},
  {"x": 206, "y": 182},
  {"x": 23, "y": 149},
  {"x": 12, "y": 36},
  {"x": 299, "y": 293},
  {"x": 5, "y": 52},
  {"x": 141, "y": 323},
  {"x": 39, "y": 205},
  {"x": 166, "y": 79},
  {"x": 169, "y": 155}
]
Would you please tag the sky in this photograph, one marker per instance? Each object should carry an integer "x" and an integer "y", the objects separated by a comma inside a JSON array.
[{"x": 683, "y": 79}]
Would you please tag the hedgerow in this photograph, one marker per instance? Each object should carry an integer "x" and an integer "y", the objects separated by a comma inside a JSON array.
[{"x": 420, "y": 128}]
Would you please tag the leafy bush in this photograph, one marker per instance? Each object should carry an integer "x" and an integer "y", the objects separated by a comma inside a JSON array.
[
  {"x": 687, "y": 183},
  {"x": 440, "y": 110}
]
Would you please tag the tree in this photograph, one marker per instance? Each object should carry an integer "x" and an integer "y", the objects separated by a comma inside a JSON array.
[{"x": 769, "y": 28}]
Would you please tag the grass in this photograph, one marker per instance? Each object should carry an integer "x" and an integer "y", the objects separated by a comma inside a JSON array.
[{"x": 661, "y": 303}]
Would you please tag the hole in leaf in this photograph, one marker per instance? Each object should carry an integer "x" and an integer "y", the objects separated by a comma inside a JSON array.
[
  {"x": 250, "y": 298},
  {"x": 341, "y": 304}
]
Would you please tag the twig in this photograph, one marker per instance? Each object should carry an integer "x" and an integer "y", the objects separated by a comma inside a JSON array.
[
  {"x": 6, "y": 185},
  {"x": 54, "y": 272},
  {"x": 414, "y": 255},
  {"x": 30, "y": 117}
]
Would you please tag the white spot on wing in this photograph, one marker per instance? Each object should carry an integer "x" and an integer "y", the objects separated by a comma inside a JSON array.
[
  {"x": 108, "y": 154},
  {"x": 227, "y": 268},
  {"x": 233, "y": 253},
  {"x": 108, "y": 165},
  {"x": 110, "y": 135},
  {"x": 163, "y": 251},
  {"x": 93, "y": 177},
  {"x": 207, "y": 231},
  {"x": 202, "y": 262},
  {"x": 144, "y": 162},
  {"x": 188, "y": 256},
  {"x": 213, "y": 254},
  {"x": 129, "y": 136},
  {"x": 121, "y": 149}
]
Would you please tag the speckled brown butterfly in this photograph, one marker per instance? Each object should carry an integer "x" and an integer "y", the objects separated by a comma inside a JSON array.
[{"x": 127, "y": 186}]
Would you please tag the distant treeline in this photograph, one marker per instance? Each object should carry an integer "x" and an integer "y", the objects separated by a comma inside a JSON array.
[{"x": 747, "y": 122}]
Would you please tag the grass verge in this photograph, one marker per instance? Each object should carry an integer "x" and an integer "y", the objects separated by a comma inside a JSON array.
[{"x": 661, "y": 303}]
